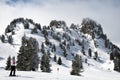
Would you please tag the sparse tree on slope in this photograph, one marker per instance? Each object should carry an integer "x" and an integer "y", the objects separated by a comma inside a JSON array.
[
  {"x": 111, "y": 56},
  {"x": 59, "y": 61},
  {"x": 96, "y": 55},
  {"x": 34, "y": 30},
  {"x": 90, "y": 52},
  {"x": 45, "y": 63},
  {"x": 10, "y": 39},
  {"x": 42, "y": 48},
  {"x": 55, "y": 58},
  {"x": 3, "y": 38},
  {"x": 76, "y": 65},
  {"x": 8, "y": 63}
]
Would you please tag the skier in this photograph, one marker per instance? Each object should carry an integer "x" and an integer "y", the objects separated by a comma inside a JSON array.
[
  {"x": 13, "y": 67},
  {"x": 58, "y": 69}
]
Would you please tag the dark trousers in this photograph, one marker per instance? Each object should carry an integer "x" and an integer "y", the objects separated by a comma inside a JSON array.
[{"x": 12, "y": 72}]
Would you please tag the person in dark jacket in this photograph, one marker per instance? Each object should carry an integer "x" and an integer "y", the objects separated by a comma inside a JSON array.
[{"x": 13, "y": 67}]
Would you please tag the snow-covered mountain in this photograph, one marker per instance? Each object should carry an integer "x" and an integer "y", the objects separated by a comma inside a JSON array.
[{"x": 68, "y": 41}]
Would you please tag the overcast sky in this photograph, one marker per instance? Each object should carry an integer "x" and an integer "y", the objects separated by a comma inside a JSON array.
[{"x": 105, "y": 12}]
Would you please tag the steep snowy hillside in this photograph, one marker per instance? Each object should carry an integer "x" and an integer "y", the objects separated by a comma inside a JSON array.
[
  {"x": 87, "y": 40},
  {"x": 67, "y": 40}
]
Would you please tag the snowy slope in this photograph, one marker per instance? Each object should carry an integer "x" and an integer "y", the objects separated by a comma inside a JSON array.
[
  {"x": 5, "y": 51},
  {"x": 63, "y": 74},
  {"x": 94, "y": 71}
]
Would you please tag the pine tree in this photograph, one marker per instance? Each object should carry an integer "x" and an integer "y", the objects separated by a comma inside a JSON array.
[
  {"x": 95, "y": 43},
  {"x": 26, "y": 25},
  {"x": 96, "y": 55},
  {"x": 82, "y": 50},
  {"x": 38, "y": 26},
  {"x": 34, "y": 30},
  {"x": 59, "y": 61},
  {"x": 116, "y": 64},
  {"x": 48, "y": 52},
  {"x": 53, "y": 48},
  {"x": 116, "y": 60},
  {"x": 27, "y": 57},
  {"x": 90, "y": 52},
  {"x": 8, "y": 63},
  {"x": 106, "y": 43},
  {"x": 42, "y": 48},
  {"x": 76, "y": 65},
  {"x": 93, "y": 35},
  {"x": 65, "y": 52},
  {"x": 47, "y": 42},
  {"x": 119, "y": 64},
  {"x": 45, "y": 63},
  {"x": 3, "y": 38},
  {"x": 10, "y": 39},
  {"x": 86, "y": 60},
  {"x": 55, "y": 58},
  {"x": 34, "y": 48},
  {"x": 111, "y": 56},
  {"x": 44, "y": 31}
]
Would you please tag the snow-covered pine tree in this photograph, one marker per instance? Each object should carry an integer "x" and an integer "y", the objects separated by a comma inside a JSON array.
[
  {"x": 8, "y": 64},
  {"x": 53, "y": 48},
  {"x": 45, "y": 63},
  {"x": 27, "y": 57},
  {"x": 76, "y": 65}
]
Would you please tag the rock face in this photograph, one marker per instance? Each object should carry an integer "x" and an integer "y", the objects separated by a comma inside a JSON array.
[{"x": 89, "y": 26}]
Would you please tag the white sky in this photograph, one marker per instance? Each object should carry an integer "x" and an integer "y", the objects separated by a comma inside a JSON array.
[{"x": 105, "y": 12}]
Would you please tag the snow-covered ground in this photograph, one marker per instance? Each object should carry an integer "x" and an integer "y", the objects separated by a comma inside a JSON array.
[{"x": 90, "y": 73}]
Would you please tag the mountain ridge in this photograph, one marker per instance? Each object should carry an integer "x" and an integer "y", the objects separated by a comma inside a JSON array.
[{"x": 76, "y": 39}]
